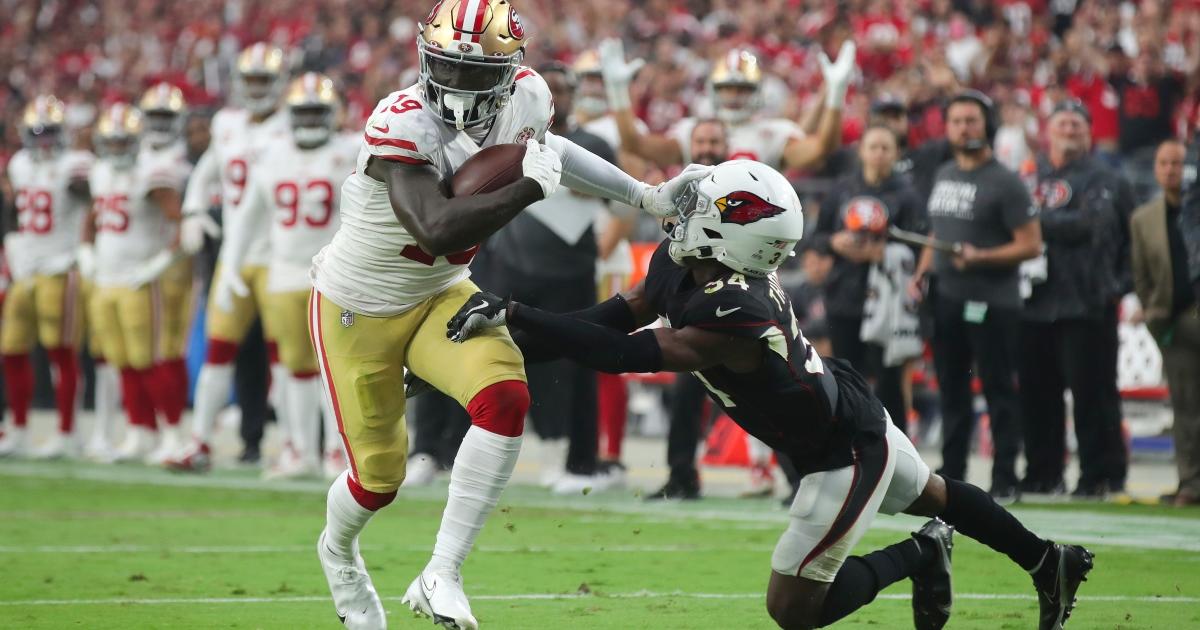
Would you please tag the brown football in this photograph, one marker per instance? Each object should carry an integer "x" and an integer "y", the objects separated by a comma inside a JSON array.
[{"x": 489, "y": 170}]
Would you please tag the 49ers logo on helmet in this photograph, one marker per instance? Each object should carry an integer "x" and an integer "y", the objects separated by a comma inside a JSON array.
[
  {"x": 865, "y": 214},
  {"x": 433, "y": 13},
  {"x": 743, "y": 207},
  {"x": 1051, "y": 194},
  {"x": 515, "y": 27}
]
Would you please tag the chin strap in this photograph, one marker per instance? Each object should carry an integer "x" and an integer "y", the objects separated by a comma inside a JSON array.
[{"x": 456, "y": 104}]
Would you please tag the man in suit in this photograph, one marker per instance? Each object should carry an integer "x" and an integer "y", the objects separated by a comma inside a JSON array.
[{"x": 1160, "y": 275}]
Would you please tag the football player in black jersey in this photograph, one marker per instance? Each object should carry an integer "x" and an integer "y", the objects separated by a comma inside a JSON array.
[{"x": 727, "y": 320}]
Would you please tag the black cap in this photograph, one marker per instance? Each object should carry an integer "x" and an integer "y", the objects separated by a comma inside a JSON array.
[
  {"x": 1074, "y": 106},
  {"x": 887, "y": 103}
]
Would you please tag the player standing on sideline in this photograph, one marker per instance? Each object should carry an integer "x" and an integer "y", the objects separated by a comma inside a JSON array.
[
  {"x": 238, "y": 138},
  {"x": 164, "y": 156},
  {"x": 131, "y": 233},
  {"x": 50, "y": 195},
  {"x": 730, "y": 322},
  {"x": 397, "y": 270},
  {"x": 297, "y": 192}
]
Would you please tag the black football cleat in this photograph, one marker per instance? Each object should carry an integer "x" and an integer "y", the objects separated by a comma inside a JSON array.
[
  {"x": 1064, "y": 569},
  {"x": 677, "y": 489},
  {"x": 933, "y": 595}
]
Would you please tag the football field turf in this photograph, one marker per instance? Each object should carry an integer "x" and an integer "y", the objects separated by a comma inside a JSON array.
[{"x": 89, "y": 546}]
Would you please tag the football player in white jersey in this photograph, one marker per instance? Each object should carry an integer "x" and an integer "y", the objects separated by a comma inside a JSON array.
[
  {"x": 239, "y": 135},
  {"x": 49, "y": 184},
  {"x": 298, "y": 192},
  {"x": 127, "y": 248},
  {"x": 397, "y": 270},
  {"x": 734, "y": 87},
  {"x": 163, "y": 157}
]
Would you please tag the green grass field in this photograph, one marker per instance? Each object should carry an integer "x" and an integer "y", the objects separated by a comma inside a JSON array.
[{"x": 86, "y": 546}]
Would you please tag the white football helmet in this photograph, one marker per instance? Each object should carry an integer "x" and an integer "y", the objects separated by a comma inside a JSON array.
[{"x": 745, "y": 215}]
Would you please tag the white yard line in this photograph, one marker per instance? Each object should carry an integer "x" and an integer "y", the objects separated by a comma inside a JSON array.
[
  {"x": 256, "y": 549},
  {"x": 118, "y": 601},
  {"x": 1083, "y": 526}
]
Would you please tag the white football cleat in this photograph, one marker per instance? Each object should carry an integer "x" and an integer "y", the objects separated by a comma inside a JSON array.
[
  {"x": 335, "y": 463},
  {"x": 420, "y": 471},
  {"x": 13, "y": 443},
  {"x": 195, "y": 458},
  {"x": 58, "y": 446},
  {"x": 600, "y": 481},
  {"x": 354, "y": 598},
  {"x": 170, "y": 444},
  {"x": 440, "y": 597},
  {"x": 138, "y": 443},
  {"x": 290, "y": 465},
  {"x": 99, "y": 450},
  {"x": 553, "y": 456}
]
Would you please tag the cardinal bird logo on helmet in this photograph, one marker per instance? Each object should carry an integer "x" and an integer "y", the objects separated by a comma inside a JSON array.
[{"x": 743, "y": 207}]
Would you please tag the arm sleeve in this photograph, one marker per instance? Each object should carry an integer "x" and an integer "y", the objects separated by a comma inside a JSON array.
[
  {"x": 201, "y": 181},
  {"x": 598, "y": 347},
  {"x": 612, "y": 313},
  {"x": 587, "y": 173}
]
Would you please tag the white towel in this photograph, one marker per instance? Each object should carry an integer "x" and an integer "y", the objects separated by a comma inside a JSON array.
[{"x": 889, "y": 313}]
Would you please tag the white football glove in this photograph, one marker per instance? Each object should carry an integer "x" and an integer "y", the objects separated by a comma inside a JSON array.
[
  {"x": 663, "y": 200},
  {"x": 838, "y": 74},
  {"x": 151, "y": 269},
  {"x": 85, "y": 260},
  {"x": 543, "y": 165},
  {"x": 193, "y": 229},
  {"x": 617, "y": 73},
  {"x": 228, "y": 284}
]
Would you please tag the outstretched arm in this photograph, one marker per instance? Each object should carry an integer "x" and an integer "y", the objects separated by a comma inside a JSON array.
[
  {"x": 624, "y": 313},
  {"x": 614, "y": 352},
  {"x": 809, "y": 151},
  {"x": 604, "y": 348},
  {"x": 618, "y": 73},
  {"x": 587, "y": 173}
]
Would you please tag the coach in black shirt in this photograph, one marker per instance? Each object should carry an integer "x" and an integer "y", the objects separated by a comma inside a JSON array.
[
  {"x": 986, "y": 210},
  {"x": 1069, "y": 324}
]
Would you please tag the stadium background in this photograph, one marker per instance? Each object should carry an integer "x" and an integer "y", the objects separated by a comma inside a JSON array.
[{"x": 1026, "y": 53}]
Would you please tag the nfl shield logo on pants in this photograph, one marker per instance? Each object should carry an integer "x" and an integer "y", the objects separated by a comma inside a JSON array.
[{"x": 347, "y": 319}]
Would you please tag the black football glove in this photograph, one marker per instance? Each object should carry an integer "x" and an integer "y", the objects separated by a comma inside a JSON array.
[{"x": 482, "y": 311}]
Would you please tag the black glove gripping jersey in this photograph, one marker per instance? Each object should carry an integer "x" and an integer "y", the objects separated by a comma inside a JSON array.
[{"x": 811, "y": 408}]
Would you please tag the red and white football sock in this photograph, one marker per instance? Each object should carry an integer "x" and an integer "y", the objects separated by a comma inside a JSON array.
[
  {"x": 213, "y": 388},
  {"x": 301, "y": 395},
  {"x": 613, "y": 410},
  {"x": 18, "y": 382},
  {"x": 348, "y": 507},
  {"x": 66, "y": 364},
  {"x": 108, "y": 402},
  {"x": 482, "y": 469}
]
